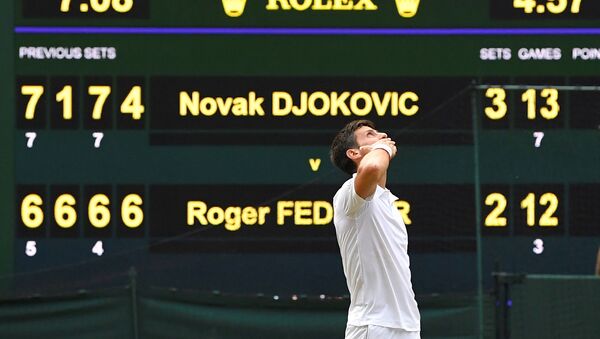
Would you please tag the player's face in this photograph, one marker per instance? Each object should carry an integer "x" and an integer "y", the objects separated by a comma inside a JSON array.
[{"x": 365, "y": 135}]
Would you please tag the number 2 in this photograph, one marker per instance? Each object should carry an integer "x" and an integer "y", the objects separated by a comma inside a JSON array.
[{"x": 494, "y": 219}]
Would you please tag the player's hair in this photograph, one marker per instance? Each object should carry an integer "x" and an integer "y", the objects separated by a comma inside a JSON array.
[{"x": 345, "y": 140}]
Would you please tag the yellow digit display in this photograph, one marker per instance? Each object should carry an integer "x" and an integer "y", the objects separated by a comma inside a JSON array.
[
  {"x": 529, "y": 204},
  {"x": 526, "y": 5},
  {"x": 498, "y": 96},
  {"x": 133, "y": 103},
  {"x": 550, "y": 112},
  {"x": 547, "y": 218},
  {"x": 494, "y": 219},
  {"x": 64, "y": 213},
  {"x": 131, "y": 213},
  {"x": 551, "y": 95},
  {"x": 552, "y": 6},
  {"x": 36, "y": 92},
  {"x": 557, "y": 6},
  {"x": 99, "y": 6},
  {"x": 64, "y": 5},
  {"x": 529, "y": 97},
  {"x": 102, "y": 92},
  {"x": 499, "y": 107},
  {"x": 66, "y": 97},
  {"x": 98, "y": 212},
  {"x": 122, "y": 6},
  {"x": 31, "y": 213}
]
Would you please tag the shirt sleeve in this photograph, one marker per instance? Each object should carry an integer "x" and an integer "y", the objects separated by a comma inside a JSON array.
[{"x": 348, "y": 201}]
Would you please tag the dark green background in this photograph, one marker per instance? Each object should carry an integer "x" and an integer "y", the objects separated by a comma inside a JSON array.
[{"x": 507, "y": 155}]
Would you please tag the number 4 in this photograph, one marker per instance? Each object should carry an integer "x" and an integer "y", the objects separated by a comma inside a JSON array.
[
  {"x": 133, "y": 103},
  {"x": 98, "y": 249},
  {"x": 527, "y": 5}
]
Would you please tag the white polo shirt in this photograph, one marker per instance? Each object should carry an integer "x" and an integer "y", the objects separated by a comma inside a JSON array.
[{"x": 373, "y": 244}]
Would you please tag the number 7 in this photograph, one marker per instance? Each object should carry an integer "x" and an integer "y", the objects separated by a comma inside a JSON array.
[
  {"x": 538, "y": 138},
  {"x": 36, "y": 92},
  {"x": 98, "y": 138},
  {"x": 30, "y": 138},
  {"x": 64, "y": 5},
  {"x": 102, "y": 92}
]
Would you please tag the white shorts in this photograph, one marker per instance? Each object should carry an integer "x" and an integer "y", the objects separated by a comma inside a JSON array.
[{"x": 379, "y": 332}]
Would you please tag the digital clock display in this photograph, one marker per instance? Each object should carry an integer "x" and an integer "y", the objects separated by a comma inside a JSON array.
[
  {"x": 131, "y": 9},
  {"x": 547, "y": 9}
]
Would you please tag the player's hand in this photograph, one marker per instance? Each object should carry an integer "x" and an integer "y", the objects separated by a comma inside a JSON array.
[{"x": 364, "y": 150}]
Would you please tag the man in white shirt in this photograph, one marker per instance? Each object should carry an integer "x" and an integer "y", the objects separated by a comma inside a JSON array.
[{"x": 372, "y": 238}]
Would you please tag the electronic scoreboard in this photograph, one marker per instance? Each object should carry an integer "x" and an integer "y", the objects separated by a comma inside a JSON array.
[{"x": 190, "y": 139}]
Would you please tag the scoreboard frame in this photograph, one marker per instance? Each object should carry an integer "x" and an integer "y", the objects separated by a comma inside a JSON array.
[
  {"x": 6, "y": 138},
  {"x": 509, "y": 191}
]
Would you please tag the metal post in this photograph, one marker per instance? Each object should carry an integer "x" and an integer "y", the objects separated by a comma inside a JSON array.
[
  {"x": 134, "y": 304},
  {"x": 477, "y": 184}
]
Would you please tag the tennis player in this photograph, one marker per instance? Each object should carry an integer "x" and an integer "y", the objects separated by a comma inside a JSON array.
[{"x": 372, "y": 238}]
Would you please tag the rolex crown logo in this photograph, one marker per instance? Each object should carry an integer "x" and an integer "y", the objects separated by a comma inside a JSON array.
[
  {"x": 234, "y": 8},
  {"x": 406, "y": 8}
]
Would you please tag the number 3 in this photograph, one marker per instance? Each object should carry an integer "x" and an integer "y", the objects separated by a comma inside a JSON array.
[
  {"x": 498, "y": 96},
  {"x": 538, "y": 246}
]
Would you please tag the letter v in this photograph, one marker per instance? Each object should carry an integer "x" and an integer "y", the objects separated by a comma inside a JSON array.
[
  {"x": 224, "y": 106},
  {"x": 314, "y": 164}
]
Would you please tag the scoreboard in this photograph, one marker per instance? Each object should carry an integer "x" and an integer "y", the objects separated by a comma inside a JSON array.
[{"x": 190, "y": 139}]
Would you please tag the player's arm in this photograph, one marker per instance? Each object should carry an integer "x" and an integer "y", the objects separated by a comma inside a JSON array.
[{"x": 373, "y": 167}]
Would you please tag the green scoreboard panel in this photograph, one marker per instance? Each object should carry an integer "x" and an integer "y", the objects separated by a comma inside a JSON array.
[{"x": 190, "y": 138}]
